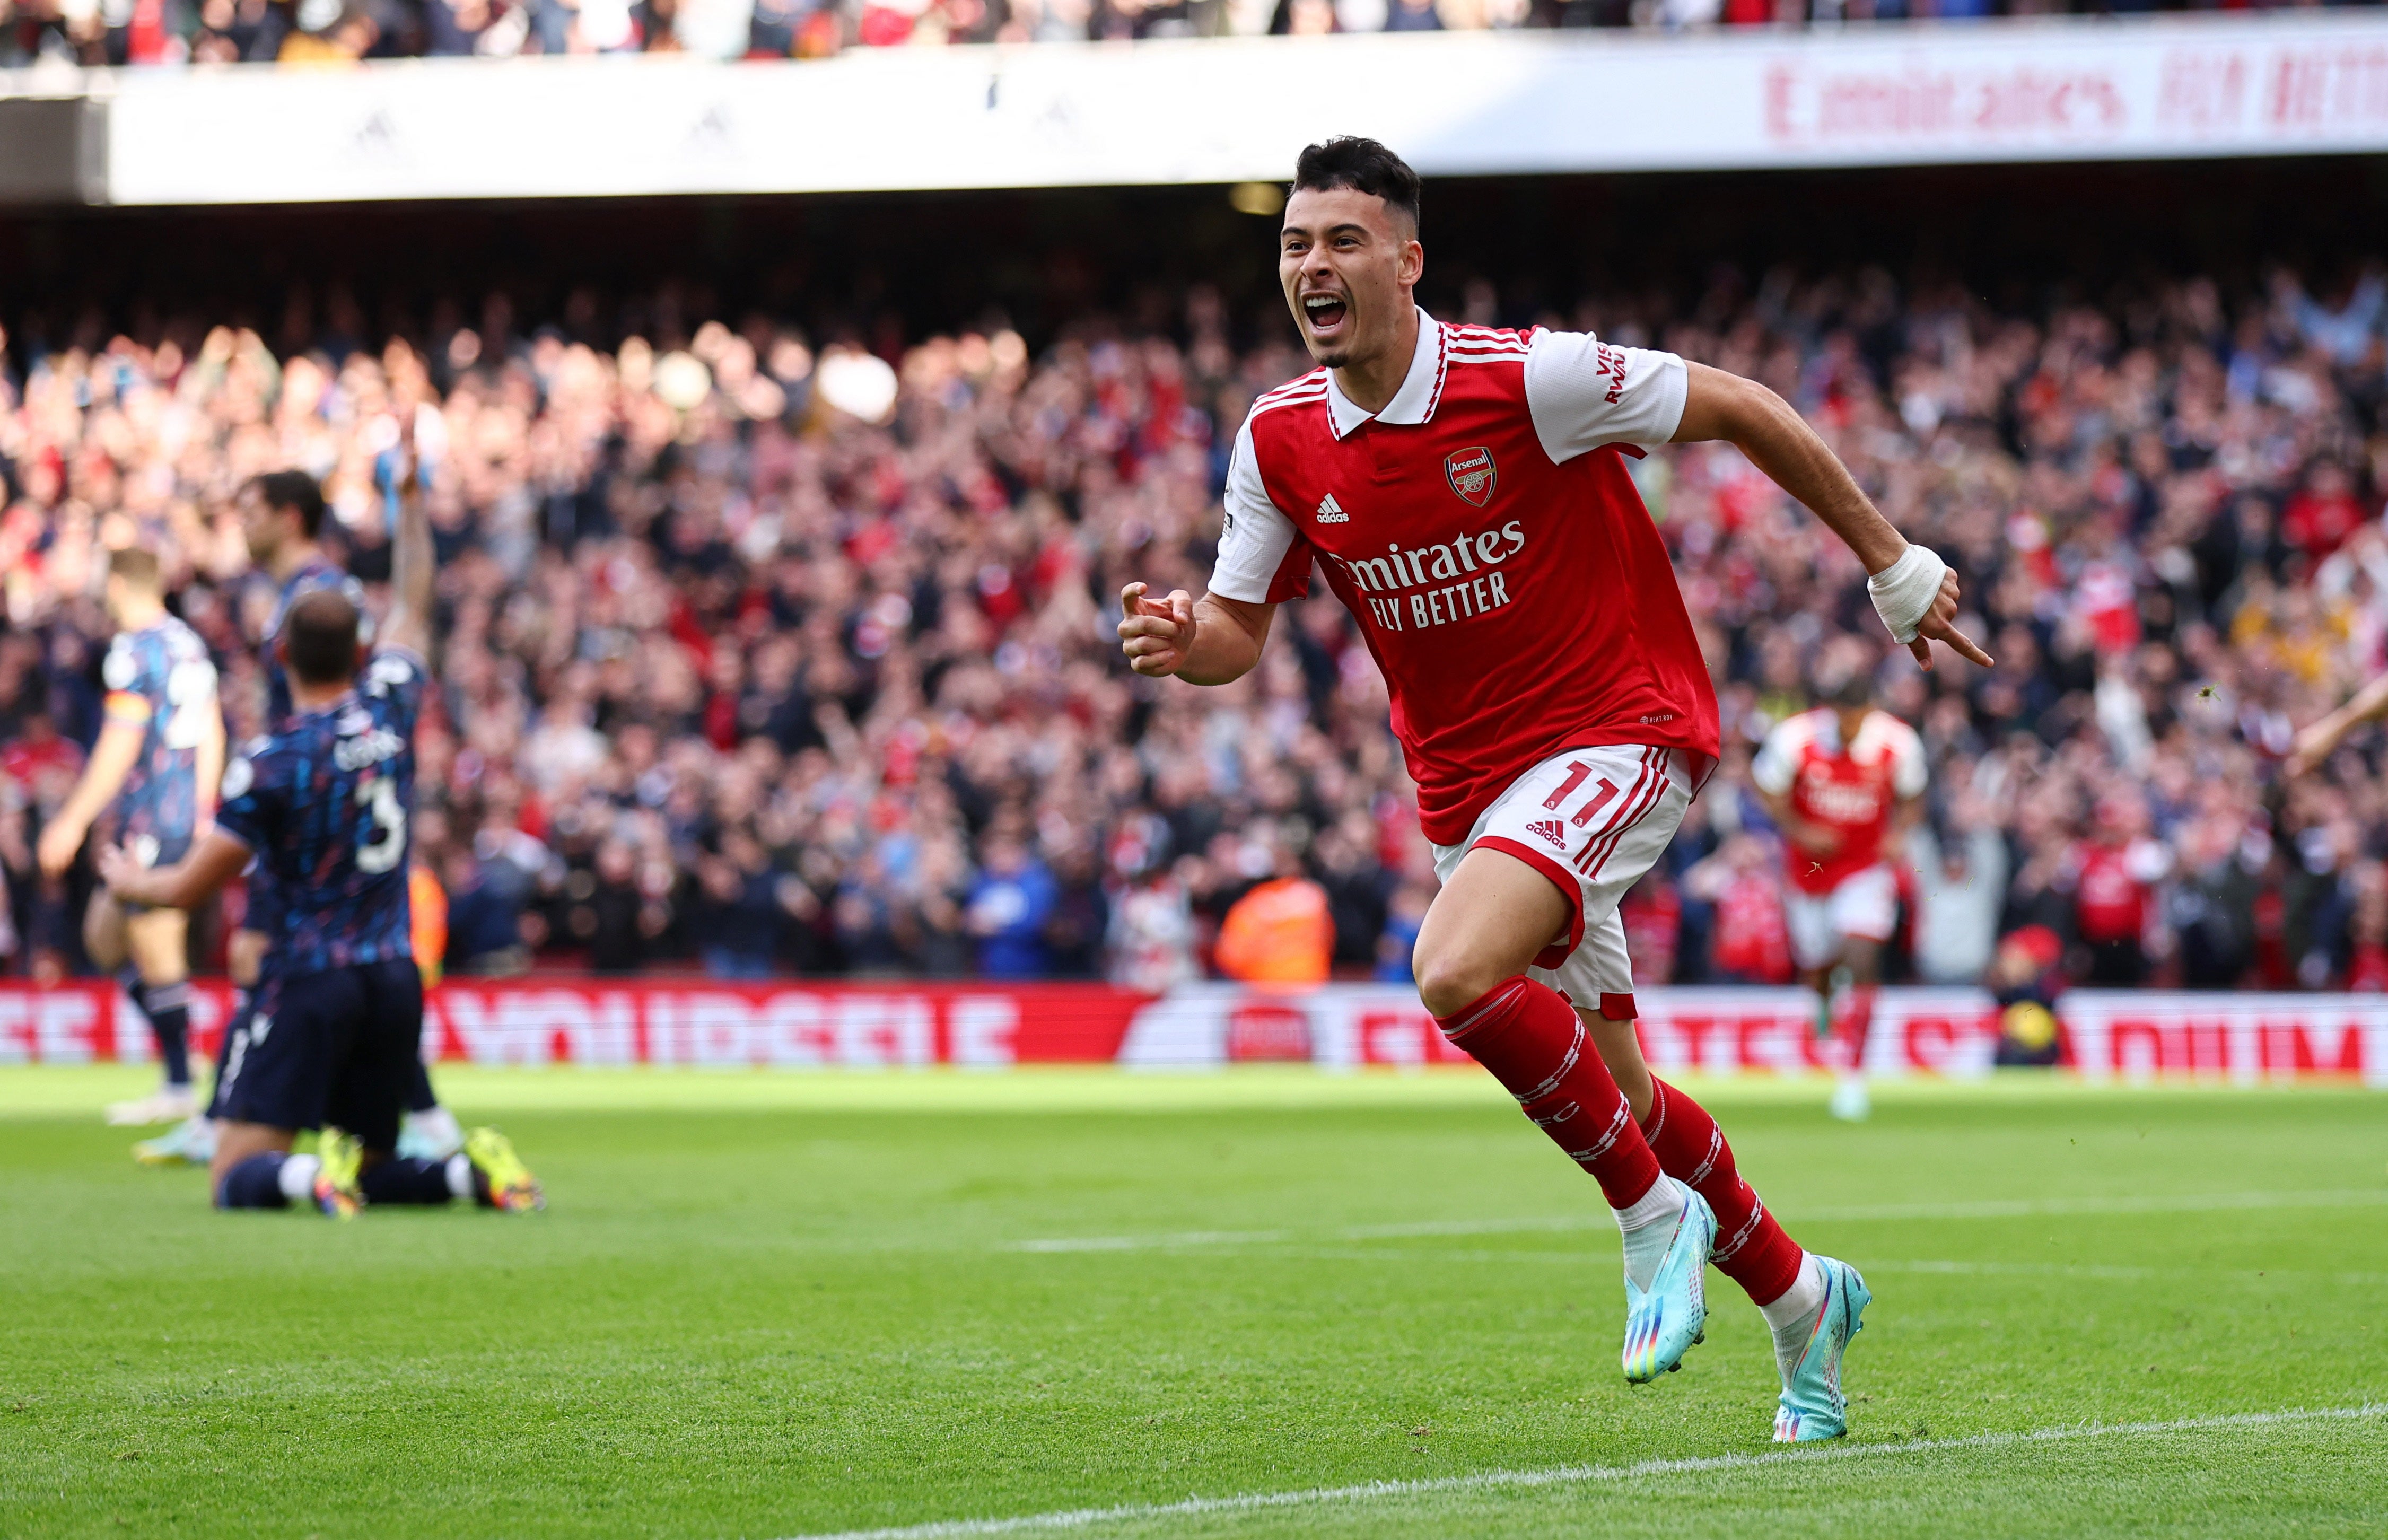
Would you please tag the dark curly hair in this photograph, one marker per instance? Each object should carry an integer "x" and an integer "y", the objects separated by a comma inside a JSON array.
[{"x": 1361, "y": 165}]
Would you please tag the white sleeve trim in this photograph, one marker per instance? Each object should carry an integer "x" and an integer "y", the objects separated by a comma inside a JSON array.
[
  {"x": 1910, "y": 773},
  {"x": 1774, "y": 766},
  {"x": 1583, "y": 393},
  {"x": 1254, "y": 534}
]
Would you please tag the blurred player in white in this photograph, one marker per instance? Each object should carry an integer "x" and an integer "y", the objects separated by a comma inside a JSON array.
[
  {"x": 1465, "y": 491},
  {"x": 1844, "y": 782}
]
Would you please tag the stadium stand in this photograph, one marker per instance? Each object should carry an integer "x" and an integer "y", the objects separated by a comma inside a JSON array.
[
  {"x": 769, "y": 659},
  {"x": 320, "y": 32}
]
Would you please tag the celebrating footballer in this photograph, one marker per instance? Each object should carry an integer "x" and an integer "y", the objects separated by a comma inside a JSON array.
[{"x": 1465, "y": 491}]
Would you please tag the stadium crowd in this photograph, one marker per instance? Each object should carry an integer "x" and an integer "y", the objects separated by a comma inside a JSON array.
[
  {"x": 336, "y": 31},
  {"x": 766, "y": 660}
]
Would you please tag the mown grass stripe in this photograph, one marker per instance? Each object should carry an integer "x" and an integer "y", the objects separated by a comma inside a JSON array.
[{"x": 1566, "y": 1475}]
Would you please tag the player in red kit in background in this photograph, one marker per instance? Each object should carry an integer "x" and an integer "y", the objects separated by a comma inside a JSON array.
[
  {"x": 1843, "y": 782},
  {"x": 1464, "y": 489}
]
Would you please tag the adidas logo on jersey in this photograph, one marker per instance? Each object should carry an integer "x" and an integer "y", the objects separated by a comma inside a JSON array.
[
  {"x": 1550, "y": 829},
  {"x": 1330, "y": 511}
]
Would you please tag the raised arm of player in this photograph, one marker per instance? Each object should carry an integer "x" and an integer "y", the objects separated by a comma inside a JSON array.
[
  {"x": 217, "y": 860},
  {"x": 112, "y": 760},
  {"x": 1209, "y": 641},
  {"x": 2316, "y": 743},
  {"x": 1778, "y": 441},
  {"x": 411, "y": 558}
]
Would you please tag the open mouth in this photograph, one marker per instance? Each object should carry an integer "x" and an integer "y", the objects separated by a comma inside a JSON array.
[{"x": 1324, "y": 312}]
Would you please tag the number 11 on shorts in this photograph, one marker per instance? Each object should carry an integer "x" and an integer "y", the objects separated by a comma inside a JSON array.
[{"x": 1577, "y": 771}]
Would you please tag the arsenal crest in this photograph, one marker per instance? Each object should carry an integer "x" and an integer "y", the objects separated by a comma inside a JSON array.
[{"x": 1471, "y": 474}]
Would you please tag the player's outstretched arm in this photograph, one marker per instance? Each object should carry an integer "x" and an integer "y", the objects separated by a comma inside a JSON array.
[
  {"x": 1914, "y": 590},
  {"x": 1818, "y": 839},
  {"x": 411, "y": 559},
  {"x": 2316, "y": 743},
  {"x": 185, "y": 884},
  {"x": 1212, "y": 641},
  {"x": 209, "y": 763},
  {"x": 112, "y": 760}
]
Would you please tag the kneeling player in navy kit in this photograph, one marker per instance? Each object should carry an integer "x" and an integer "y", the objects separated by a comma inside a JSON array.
[{"x": 323, "y": 806}]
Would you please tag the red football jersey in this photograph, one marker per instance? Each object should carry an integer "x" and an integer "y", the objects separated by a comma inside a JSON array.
[
  {"x": 1483, "y": 531},
  {"x": 2112, "y": 888},
  {"x": 1852, "y": 787}
]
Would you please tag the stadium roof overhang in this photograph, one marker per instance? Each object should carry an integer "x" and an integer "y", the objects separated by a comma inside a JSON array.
[{"x": 1201, "y": 111}]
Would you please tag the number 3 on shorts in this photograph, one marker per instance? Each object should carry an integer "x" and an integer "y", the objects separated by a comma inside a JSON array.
[{"x": 386, "y": 840}]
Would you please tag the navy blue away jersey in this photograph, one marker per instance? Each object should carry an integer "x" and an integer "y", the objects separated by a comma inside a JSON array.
[
  {"x": 316, "y": 574},
  {"x": 323, "y": 803},
  {"x": 161, "y": 682}
]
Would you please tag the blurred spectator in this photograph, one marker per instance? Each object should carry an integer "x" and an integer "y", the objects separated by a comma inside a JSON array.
[
  {"x": 605, "y": 912},
  {"x": 1652, "y": 913},
  {"x": 1404, "y": 916},
  {"x": 1281, "y": 931},
  {"x": 737, "y": 909},
  {"x": 2113, "y": 874},
  {"x": 1963, "y": 883},
  {"x": 1752, "y": 939},
  {"x": 2024, "y": 979},
  {"x": 1153, "y": 934},
  {"x": 427, "y": 905},
  {"x": 1009, "y": 907},
  {"x": 484, "y": 931}
]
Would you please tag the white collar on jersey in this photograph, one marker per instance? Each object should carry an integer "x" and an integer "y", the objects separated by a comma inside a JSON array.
[{"x": 1413, "y": 404}]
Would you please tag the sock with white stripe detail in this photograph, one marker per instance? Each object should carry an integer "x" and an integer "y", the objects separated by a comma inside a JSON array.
[{"x": 1791, "y": 1317}]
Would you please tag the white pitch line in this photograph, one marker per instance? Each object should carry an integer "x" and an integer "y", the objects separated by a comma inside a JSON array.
[
  {"x": 1149, "y": 1242},
  {"x": 1995, "y": 1208},
  {"x": 1570, "y": 1475}
]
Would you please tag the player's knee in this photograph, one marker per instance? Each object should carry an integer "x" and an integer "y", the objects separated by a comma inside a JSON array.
[{"x": 1450, "y": 979}]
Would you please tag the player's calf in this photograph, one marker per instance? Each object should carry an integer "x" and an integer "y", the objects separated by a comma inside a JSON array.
[
  {"x": 255, "y": 1168},
  {"x": 1752, "y": 1249}
]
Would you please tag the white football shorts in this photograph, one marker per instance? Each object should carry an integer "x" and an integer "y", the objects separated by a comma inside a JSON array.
[
  {"x": 1862, "y": 906},
  {"x": 1592, "y": 821}
]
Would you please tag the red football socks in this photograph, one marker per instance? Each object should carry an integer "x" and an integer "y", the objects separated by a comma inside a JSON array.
[
  {"x": 1533, "y": 1044},
  {"x": 1856, "y": 1025},
  {"x": 1751, "y": 1249}
]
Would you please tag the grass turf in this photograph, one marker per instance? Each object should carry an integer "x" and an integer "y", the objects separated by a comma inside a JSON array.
[{"x": 774, "y": 1305}]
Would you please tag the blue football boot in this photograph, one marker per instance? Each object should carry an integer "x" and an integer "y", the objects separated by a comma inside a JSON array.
[
  {"x": 1812, "y": 1409},
  {"x": 1662, "y": 1322}
]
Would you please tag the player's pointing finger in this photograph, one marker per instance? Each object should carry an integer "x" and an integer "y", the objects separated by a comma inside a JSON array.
[{"x": 1958, "y": 642}]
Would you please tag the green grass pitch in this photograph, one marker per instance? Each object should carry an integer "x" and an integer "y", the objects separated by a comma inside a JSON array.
[{"x": 779, "y": 1305}]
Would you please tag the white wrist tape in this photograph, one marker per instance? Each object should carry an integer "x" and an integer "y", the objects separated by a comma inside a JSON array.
[{"x": 1903, "y": 591}]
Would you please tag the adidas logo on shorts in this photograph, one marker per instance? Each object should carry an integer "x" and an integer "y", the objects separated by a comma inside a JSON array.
[{"x": 1551, "y": 829}]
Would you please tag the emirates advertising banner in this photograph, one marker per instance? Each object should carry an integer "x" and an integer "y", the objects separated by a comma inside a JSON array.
[
  {"x": 2106, "y": 1036},
  {"x": 1232, "y": 109}
]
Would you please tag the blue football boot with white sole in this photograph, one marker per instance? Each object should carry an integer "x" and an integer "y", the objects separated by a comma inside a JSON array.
[
  {"x": 1664, "y": 1321},
  {"x": 1812, "y": 1409}
]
